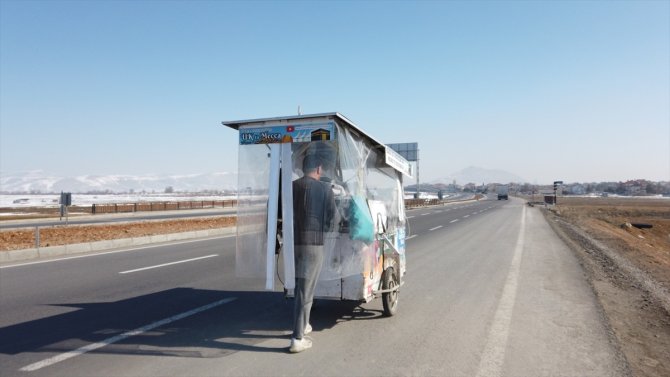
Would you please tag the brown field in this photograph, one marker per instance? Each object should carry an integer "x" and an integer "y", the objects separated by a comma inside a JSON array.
[
  {"x": 606, "y": 219},
  {"x": 64, "y": 235},
  {"x": 635, "y": 299}
]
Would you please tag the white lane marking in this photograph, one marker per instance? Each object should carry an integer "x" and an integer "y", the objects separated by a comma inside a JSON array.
[
  {"x": 466, "y": 216},
  {"x": 128, "y": 334},
  {"x": 169, "y": 264},
  {"x": 493, "y": 356},
  {"x": 116, "y": 251},
  {"x": 424, "y": 214},
  {"x": 437, "y": 227},
  {"x": 474, "y": 213},
  {"x": 410, "y": 237},
  {"x": 453, "y": 221},
  {"x": 410, "y": 217},
  {"x": 440, "y": 211}
]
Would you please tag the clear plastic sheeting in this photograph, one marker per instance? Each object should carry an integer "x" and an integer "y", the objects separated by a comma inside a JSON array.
[
  {"x": 358, "y": 170},
  {"x": 252, "y": 210}
]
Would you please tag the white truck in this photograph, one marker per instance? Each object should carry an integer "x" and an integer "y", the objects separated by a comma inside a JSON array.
[{"x": 503, "y": 191}]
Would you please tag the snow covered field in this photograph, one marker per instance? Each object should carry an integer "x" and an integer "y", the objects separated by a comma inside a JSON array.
[{"x": 21, "y": 201}]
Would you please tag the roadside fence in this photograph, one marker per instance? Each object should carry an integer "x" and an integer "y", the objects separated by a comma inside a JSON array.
[
  {"x": 36, "y": 212},
  {"x": 160, "y": 206},
  {"x": 415, "y": 203}
]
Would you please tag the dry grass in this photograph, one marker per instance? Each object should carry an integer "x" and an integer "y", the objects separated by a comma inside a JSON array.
[
  {"x": 605, "y": 219},
  {"x": 64, "y": 235}
]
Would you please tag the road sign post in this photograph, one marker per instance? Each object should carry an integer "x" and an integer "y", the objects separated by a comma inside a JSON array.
[
  {"x": 556, "y": 185},
  {"x": 65, "y": 201}
]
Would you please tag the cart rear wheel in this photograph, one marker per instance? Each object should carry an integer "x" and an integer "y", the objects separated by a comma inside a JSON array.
[{"x": 390, "y": 299}]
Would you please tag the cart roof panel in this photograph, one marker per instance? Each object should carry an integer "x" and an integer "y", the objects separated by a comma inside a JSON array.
[
  {"x": 402, "y": 165},
  {"x": 236, "y": 124}
]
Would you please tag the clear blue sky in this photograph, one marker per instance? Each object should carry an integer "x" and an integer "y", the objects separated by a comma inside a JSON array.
[{"x": 547, "y": 90}]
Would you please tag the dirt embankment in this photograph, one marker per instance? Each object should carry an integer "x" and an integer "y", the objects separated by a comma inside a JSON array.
[
  {"x": 629, "y": 269},
  {"x": 64, "y": 235}
]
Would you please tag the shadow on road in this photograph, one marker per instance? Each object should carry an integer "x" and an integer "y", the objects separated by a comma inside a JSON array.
[{"x": 241, "y": 325}]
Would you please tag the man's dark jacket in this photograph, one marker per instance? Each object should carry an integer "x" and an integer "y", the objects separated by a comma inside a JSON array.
[{"x": 313, "y": 210}]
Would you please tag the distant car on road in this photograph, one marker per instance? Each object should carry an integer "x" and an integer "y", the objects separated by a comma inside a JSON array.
[{"x": 503, "y": 191}]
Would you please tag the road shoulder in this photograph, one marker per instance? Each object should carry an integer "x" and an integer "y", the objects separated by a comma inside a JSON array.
[
  {"x": 636, "y": 318},
  {"x": 557, "y": 318}
]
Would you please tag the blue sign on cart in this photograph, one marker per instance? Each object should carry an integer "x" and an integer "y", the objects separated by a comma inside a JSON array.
[{"x": 296, "y": 133}]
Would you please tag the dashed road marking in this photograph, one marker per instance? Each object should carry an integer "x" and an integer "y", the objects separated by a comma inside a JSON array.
[
  {"x": 437, "y": 227},
  {"x": 453, "y": 221},
  {"x": 410, "y": 237},
  {"x": 168, "y": 264},
  {"x": 97, "y": 254}
]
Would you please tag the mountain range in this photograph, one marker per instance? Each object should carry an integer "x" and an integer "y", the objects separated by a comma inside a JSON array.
[
  {"x": 479, "y": 176},
  {"x": 42, "y": 182}
]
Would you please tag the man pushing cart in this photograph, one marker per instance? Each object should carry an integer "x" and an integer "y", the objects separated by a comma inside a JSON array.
[{"x": 328, "y": 198}]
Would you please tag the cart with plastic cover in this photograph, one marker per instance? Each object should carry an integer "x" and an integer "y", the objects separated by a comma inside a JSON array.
[{"x": 365, "y": 251}]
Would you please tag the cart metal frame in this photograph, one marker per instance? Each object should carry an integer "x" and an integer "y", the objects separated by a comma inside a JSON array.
[{"x": 367, "y": 269}]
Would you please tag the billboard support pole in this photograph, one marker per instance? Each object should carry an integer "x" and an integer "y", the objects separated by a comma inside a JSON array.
[
  {"x": 418, "y": 183},
  {"x": 410, "y": 152}
]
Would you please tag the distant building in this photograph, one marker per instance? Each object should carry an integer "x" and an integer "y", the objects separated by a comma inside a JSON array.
[{"x": 575, "y": 189}]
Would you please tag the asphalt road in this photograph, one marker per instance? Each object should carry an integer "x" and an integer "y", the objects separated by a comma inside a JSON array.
[{"x": 490, "y": 290}]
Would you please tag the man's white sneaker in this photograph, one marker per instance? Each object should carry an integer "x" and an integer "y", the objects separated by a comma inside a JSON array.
[
  {"x": 299, "y": 345},
  {"x": 308, "y": 329}
]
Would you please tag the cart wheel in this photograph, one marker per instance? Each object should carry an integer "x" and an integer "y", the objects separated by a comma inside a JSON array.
[{"x": 390, "y": 299}]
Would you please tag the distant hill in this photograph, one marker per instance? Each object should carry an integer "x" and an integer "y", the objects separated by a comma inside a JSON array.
[
  {"x": 478, "y": 176},
  {"x": 39, "y": 181}
]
